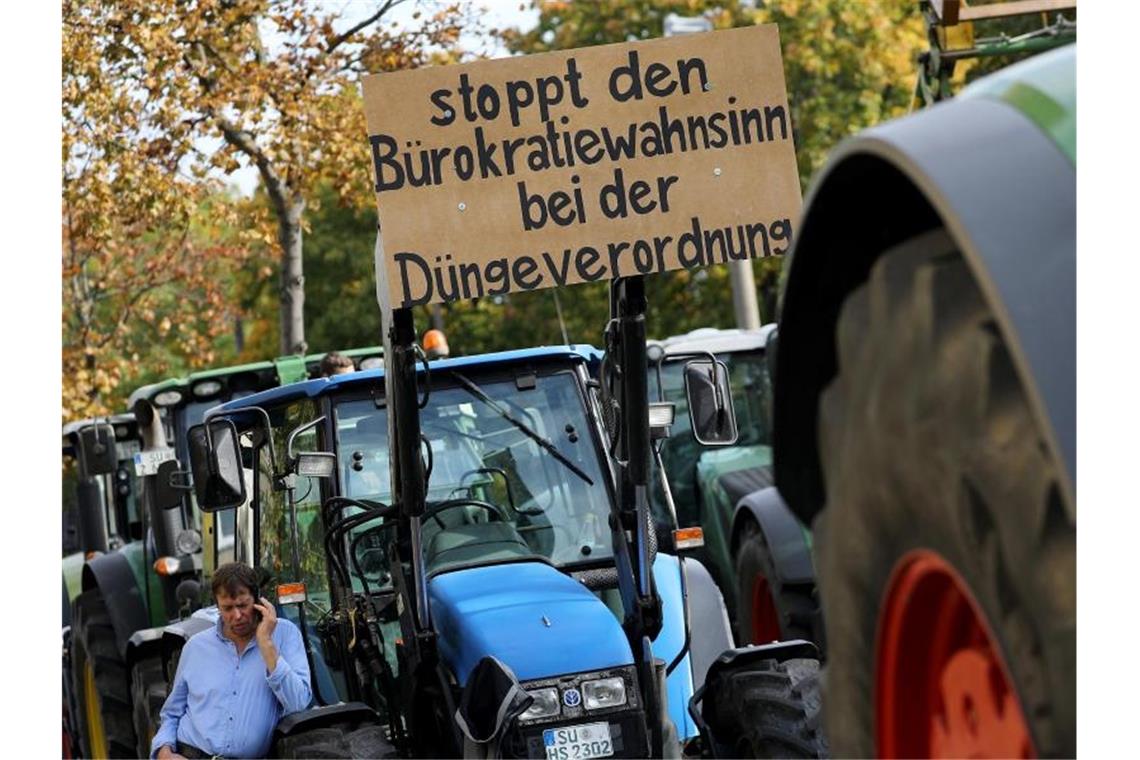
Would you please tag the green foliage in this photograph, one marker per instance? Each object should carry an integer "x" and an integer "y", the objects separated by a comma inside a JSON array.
[
  {"x": 848, "y": 64},
  {"x": 340, "y": 291}
]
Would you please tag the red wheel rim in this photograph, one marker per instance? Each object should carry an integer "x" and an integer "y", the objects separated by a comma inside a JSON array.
[
  {"x": 67, "y": 753},
  {"x": 942, "y": 688},
  {"x": 765, "y": 619}
]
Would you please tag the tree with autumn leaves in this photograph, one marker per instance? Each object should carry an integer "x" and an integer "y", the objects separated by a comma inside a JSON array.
[
  {"x": 143, "y": 278},
  {"x": 162, "y": 98},
  {"x": 165, "y": 98}
]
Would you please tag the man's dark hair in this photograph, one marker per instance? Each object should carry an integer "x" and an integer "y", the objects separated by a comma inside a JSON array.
[
  {"x": 233, "y": 577},
  {"x": 335, "y": 364}
]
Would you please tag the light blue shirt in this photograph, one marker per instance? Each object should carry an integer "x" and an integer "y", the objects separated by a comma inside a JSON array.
[{"x": 225, "y": 703}]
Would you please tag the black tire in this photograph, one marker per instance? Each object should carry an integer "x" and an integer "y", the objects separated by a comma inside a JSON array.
[
  {"x": 148, "y": 693},
  {"x": 772, "y": 709},
  {"x": 340, "y": 741},
  {"x": 70, "y": 707},
  {"x": 927, "y": 442},
  {"x": 93, "y": 643},
  {"x": 795, "y": 604}
]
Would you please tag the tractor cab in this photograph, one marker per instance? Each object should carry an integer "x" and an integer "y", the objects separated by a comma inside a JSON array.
[{"x": 492, "y": 443}]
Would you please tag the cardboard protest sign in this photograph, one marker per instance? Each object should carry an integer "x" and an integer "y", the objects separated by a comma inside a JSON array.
[{"x": 539, "y": 171}]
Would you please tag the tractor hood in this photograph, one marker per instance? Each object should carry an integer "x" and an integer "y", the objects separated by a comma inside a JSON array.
[{"x": 530, "y": 616}]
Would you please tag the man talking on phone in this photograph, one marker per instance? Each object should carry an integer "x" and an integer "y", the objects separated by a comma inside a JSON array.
[{"x": 235, "y": 680}]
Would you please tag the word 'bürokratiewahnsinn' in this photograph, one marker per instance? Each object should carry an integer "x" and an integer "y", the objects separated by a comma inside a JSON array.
[
  {"x": 695, "y": 247},
  {"x": 561, "y": 147}
]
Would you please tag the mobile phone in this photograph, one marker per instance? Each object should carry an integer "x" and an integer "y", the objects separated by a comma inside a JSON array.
[{"x": 257, "y": 600}]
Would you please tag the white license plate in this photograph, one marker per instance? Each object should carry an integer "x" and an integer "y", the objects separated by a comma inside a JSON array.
[
  {"x": 147, "y": 462},
  {"x": 578, "y": 742}
]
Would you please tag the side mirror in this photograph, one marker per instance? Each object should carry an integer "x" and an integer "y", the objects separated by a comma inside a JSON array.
[
  {"x": 167, "y": 492},
  {"x": 92, "y": 523},
  {"x": 97, "y": 449},
  {"x": 711, "y": 412},
  {"x": 215, "y": 462}
]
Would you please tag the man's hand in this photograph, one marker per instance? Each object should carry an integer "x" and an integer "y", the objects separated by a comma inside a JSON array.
[
  {"x": 265, "y": 633},
  {"x": 166, "y": 753}
]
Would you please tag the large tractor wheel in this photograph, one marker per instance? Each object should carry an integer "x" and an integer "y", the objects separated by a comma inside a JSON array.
[
  {"x": 99, "y": 678},
  {"x": 946, "y": 548},
  {"x": 766, "y": 609},
  {"x": 148, "y": 694},
  {"x": 340, "y": 741},
  {"x": 768, "y": 710}
]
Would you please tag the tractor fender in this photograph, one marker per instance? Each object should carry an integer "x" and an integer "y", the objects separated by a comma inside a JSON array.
[
  {"x": 118, "y": 584},
  {"x": 175, "y": 636},
  {"x": 320, "y": 717},
  {"x": 66, "y": 607},
  {"x": 694, "y": 631},
  {"x": 1005, "y": 192},
  {"x": 708, "y": 619},
  {"x": 782, "y": 532},
  {"x": 143, "y": 644}
]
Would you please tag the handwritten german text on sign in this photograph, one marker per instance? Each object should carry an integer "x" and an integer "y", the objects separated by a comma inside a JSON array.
[{"x": 546, "y": 170}]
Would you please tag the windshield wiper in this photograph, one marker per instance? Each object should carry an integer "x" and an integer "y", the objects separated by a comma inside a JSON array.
[{"x": 545, "y": 443}]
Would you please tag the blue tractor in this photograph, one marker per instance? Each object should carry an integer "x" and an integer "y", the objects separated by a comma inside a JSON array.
[{"x": 467, "y": 547}]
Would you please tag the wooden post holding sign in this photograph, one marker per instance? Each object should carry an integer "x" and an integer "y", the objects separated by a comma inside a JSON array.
[{"x": 533, "y": 172}]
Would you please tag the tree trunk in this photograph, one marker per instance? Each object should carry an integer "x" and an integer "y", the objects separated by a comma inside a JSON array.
[
  {"x": 239, "y": 334},
  {"x": 292, "y": 282}
]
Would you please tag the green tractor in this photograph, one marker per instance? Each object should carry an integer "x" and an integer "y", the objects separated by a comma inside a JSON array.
[
  {"x": 756, "y": 549},
  {"x": 100, "y": 515},
  {"x": 128, "y": 596},
  {"x": 925, "y": 419},
  {"x": 100, "y": 512}
]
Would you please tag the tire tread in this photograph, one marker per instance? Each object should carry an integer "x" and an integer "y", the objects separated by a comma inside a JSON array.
[
  {"x": 927, "y": 440},
  {"x": 771, "y": 709}
]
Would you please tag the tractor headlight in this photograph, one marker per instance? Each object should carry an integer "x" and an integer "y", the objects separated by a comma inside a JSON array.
[
  {"x": 604, "y": 692},
  {"x": 188, "y": 541},
  {"x": 207, "y": 388},
  {"x": 545, "y": 704},
  {"x": 168, "y": 398}
]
